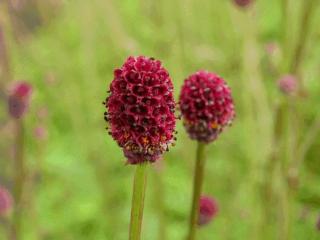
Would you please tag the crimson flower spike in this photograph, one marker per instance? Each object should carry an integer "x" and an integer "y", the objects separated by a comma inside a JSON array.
[
  {"x": 207, "y": 109},
  {"x": 140, "y": 114},
  {"x": 206, "y": 106}
]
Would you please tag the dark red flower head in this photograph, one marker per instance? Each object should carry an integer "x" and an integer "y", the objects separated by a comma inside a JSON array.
[
  {"x": 288, "y": 84},
  {"x": 5, "y": 201},
  {"x": 18, "y": 100},
  {"x": 242, "y": 3},
  {"x": 206, "y": 106},
  {"x": 140, "y": 109},
  {"x": 208, "y": 209}
]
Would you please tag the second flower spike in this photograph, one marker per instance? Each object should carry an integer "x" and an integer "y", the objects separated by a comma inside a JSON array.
[{"x": 206, "y": 106}]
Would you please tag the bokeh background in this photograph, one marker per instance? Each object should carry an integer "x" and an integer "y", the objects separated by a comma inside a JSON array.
[{"x": 264, "y": 171}]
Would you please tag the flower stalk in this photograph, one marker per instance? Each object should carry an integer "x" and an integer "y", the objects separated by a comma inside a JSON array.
[
  {"x": 197, "y": 188},
  {"x": 19, "y": 178},
  {"x": 207, "y": 109},
  {"x": 305, "y": 25},
  {"x": 140, "y": 114},
  {"x": 139, "y": 188},
  {"x": 287, "y": 192}
]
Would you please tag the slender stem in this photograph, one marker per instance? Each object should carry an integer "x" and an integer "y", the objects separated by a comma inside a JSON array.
[
  {"x": 139, "y": 187},
  {"x": 284, "y": 231},
  {"x": 286, "y": 194},
  {"x": 285, "y": 10},
  {"x": 19, "y": 179},
  {"x": 197, "y": 188},
  {"x": 5, "y": 74},
  {"x": 273, "y": 159},
  {"x": 284, "y": 197},
  {"x": 308, "y": 7},
  {"x": 309, "y": 139},
  {"x": 4, "y": 58}
]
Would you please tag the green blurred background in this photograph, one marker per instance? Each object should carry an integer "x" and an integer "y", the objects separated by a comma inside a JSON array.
[{"x": 77, "y": 185}]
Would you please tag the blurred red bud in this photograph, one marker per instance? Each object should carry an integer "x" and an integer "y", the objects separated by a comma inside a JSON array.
[
  {"x": 5, "y": 201},
  {"x": 18, "y": 100},
  {"x": 243, "y": 3},
  {"x": 208, "y": 209}
]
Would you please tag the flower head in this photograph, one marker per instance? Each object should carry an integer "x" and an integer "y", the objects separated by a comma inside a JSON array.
[
  {"x": 140, "y": 109},
  {"x": 243, "y": 3},
  {"x": 208, "y": 209},
  {"x": 288, "y": 84},
  {"x": 5, "y": 201},
  {"x": 206, "y": 106},
  {"x": 18, "y": 100}
]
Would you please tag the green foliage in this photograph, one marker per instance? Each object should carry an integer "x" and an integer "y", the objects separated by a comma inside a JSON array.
[{"x": 83, "y": 187}]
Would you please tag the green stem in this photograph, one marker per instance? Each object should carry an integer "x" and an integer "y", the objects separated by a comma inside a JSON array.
[
  {"x": 4, "y": 58},
  {"x": 284, "y": 198},
  {"x": 5, "y": 74},
  {"x": 285, "y": 11},
  {"x": 197, "y": 187},
  {"x": 19, "y": 179},
  {"x": 286, "y": 194},
  {"x": 139, "y": 187},
  {"x": 307, "y": 10}
]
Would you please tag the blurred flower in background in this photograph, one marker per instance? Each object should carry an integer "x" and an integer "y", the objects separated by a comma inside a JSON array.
[
  {"x": 273, "y": 53},
  {"x": 18, "y": 100},
  {"x": 5, "y": 201},
  {"x": 208, "y": 209},
  {"x": 272, "y": 48},
  {"x": 40, "y": 132},
  {"x": 288, "y": 84},
  {"x": 243, "y": 3}
]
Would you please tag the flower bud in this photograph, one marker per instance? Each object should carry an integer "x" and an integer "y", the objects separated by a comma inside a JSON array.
[
  {"x": 18, "y": 100},
  {"x": 206, "y": 106},
  {"x": 288, "y": 84},
  {"x": 243, "y": 3},
  {"x": 208, "y": 209},
  {"x": 40, "y": 133},
  {"x": 140, "y": 109},
  {"x": 5, "y": 201}
]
